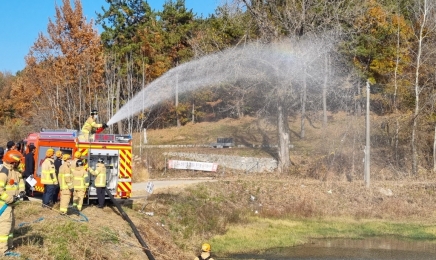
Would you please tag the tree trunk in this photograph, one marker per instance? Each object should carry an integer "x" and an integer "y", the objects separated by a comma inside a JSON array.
[
  {"x": 303, "y": 105},
  {"x": 417, "y": 88},
  {"x": 324, "y": 91},
  {"x": 239, "y": 110},
  {"x": 117, "y": 105},
  {"x": 358, "y": 104},
  {"x": 434, "y": 151},
  {"x": 177, "y": 102},
  {"x": 193, "y": 113},
  {"x": 283, "y": 138}
]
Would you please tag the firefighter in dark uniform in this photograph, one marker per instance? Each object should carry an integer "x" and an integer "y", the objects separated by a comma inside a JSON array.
[
  {"x": 57, "y": 164},
  {"x": 29, "y": 167}
]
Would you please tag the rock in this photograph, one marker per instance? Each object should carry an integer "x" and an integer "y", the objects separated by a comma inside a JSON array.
[{"x": 386, "y": 192}]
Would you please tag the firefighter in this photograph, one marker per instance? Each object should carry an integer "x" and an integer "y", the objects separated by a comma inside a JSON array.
[
  {"x": 65, "y": 183},
  {"x": 2, "y": 153},
  {"x": 77, "y": 156},
  {"x": 10, "y": 145},
  {"x": 11, "y": 188},
  {"x": 90, "y": 127},
  {"x": 29, "y": 167},
  {"x": 48, "y": 177},
  {"x": 57, "y": 164},
  {"x": 80, "y": 185},
  {"x": 100, "y": 181},
  {"x": 205, "y": 253}
]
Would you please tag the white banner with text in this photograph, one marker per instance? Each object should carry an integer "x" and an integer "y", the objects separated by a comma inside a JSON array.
[{"x": 189, "y": 165}]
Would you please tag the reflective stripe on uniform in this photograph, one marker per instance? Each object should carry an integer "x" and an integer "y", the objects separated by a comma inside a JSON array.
[
  {"x": 11, "y": 187},
  {"x": 4, "y": 238},
  {"x": 4, "y": 196},
  {"x": 81, "y": 185},
  {"x": 63, "y": 184}
]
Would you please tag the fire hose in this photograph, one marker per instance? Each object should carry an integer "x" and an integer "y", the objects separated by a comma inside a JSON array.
[{"x": 135, "y": 230}]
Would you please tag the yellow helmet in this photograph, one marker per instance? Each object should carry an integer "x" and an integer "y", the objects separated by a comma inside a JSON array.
[
  {"x": 205, "y": 247},
  {"x": 66, "y": 156},
  {"x": 49, "y": 152},
  {"x": 77, "y": 154},
  {"x": 58, "y": 153}
]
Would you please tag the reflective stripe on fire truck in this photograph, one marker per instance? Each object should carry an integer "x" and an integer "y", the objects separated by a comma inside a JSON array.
[
  {"x": 125, "y": 172},
  {"x": 39, "y": 188},
  {"x": 84, "y": 152},
  {"x": 125, "y": 164}
]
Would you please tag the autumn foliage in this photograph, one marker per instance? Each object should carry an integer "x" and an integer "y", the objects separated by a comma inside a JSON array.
[{"x": 62, "y": 80}]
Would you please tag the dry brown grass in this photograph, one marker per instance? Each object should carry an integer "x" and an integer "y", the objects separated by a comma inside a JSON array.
[{"x": 44, "y": 234}]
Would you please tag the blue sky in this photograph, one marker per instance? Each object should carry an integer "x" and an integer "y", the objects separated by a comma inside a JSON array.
[{"x": 22, "y": 20}]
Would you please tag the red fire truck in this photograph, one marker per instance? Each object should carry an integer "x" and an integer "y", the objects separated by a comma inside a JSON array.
[{"x": 115, "y": 150}]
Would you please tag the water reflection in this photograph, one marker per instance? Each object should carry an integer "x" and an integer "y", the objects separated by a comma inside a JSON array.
[{"x": 344, "y": 249}]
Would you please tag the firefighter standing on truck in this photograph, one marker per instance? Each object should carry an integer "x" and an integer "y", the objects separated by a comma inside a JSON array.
[
  {"x": 11, "y": 188},
  {"x": 100, "y": 181},
  {"x": 90, "y": 127},
  {"x": 48, "y": 177},
  {"x": 79, "y": 184},
  {"x": 65, "y": 183}
]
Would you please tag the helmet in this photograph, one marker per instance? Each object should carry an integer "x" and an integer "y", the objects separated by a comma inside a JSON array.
[
  {"x": 66, "y": 156},
  {"x": 79, "y": 163},
  {"x": 77, "y": 154},
  {"x": 94, "y": 112},
  {"x": 12, "y": 156},
  {"x": 58, "y": 153},
  {"x": 100, "y": 160},
  {"x": 205, "y": 247},
  {"x": 49, "y": 152}
]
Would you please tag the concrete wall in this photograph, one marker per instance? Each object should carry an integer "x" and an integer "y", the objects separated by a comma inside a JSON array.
[{"x": 247, "y": 164}]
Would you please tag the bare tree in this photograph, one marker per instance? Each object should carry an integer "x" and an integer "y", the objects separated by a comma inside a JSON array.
[{"x": 425, "y": 17}]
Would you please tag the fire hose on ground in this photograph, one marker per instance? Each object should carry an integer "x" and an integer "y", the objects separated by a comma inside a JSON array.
[{"x": 135, "y": 230}]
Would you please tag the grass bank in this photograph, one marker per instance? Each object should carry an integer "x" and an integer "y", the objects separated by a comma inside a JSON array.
[
  {"x": 261, "y": 233},
  {"x": 249, "y": 213}
]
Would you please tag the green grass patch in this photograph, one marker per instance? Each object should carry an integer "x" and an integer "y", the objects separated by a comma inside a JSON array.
[
  {"x": 108, "y": 235},
  {"x": 261, "y": 234}
]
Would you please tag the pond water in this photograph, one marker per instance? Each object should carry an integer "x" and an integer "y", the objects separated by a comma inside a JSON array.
[{"x": 355, "y": 249}]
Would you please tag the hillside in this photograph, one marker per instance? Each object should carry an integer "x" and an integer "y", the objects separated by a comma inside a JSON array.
[
  {"x": 334, "y": 152},
  {"x": 320, "y": 186}
]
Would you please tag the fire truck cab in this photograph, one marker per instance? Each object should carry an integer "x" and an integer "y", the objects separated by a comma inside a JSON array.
[{"x": 115, "y": 150}]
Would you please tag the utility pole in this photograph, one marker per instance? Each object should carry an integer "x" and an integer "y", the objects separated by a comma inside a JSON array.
[{"x": 368, "y": 141}]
